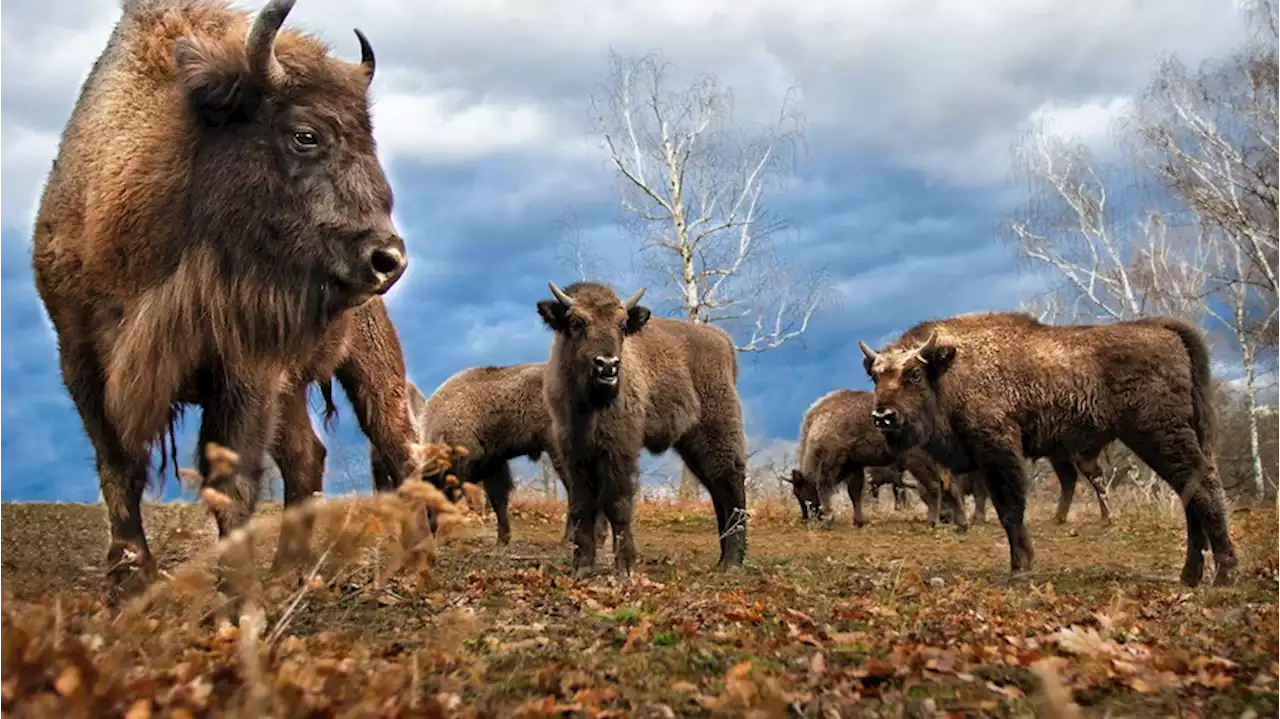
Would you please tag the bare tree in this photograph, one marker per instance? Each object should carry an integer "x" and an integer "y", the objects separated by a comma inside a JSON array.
[
  {"x": 1087, "y": 225},
  {"x": 1211, "y": 136},
  {"x": 694, "y": 194}
]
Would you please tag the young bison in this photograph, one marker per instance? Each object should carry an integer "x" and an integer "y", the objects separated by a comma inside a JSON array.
[
  {"x": 618, "y": 381},
  {"x": 498, "y": 414},
  {"x": 215, "y": 214},
  {"x": 838, "y": 442},
  {"x": 986, "y": 391}
]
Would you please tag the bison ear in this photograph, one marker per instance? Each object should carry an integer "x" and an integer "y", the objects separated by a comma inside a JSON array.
[
  {"x": 797, "y": 477},
  {"x": 220, "y": 89},
  {"x": 866, "y": 367},
  {"x": 637, "y": 318},
  {"x": 939, "y": 357},
  {"x": 552, "y": 313}
]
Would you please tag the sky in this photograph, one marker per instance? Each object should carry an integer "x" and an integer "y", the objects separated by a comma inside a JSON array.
[{"x": 481, "y": 117}]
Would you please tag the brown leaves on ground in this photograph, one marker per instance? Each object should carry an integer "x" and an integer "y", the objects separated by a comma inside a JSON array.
[{"x": 887, "y": 620}]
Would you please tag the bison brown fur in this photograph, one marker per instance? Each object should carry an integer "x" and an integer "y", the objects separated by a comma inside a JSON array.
[
  {"x": 215, "y": 211},
  {"x": 619, "y": 381},
  {"x": 838, "y": 442},
  {"x": 986, "y": 391},
  {"x": 497, "y": 414}
]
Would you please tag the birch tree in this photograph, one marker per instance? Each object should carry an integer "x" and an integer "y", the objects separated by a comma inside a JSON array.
[
  {"x": 694, "y": 192},
  {"x": 1112, "y": 254},
  {"x": 1210, "y": 135}
]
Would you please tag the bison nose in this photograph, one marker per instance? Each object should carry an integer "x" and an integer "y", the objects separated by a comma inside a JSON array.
[
  {"x": 886, "y": 418},
  {"x": 607, "y": 364},
  {"x": 387, "y": 261}
]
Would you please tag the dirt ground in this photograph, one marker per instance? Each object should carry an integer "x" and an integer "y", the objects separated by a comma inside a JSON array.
[{"x": 891, "y": 619}]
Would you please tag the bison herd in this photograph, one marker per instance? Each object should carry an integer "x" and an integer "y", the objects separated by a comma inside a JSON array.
[{"x": 216, "y": 231}]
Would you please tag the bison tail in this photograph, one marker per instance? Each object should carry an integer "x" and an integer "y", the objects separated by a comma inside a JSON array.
[
  {"x": 1202, "y": 415},
  {"x": 330, "y": 409}
]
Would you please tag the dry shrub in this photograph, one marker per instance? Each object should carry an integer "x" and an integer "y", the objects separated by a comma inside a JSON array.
[{"x": 108, "y": 667}]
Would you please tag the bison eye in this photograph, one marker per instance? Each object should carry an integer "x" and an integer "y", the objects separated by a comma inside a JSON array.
[{"x": 305, "y": 140}]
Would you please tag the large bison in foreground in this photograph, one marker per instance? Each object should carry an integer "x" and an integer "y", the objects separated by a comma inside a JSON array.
[
  {"x": 618, "y": 381},
  {"x": 497, "y": 414},
  {"x": 838, "y": 442},
  {"x": 986, "y": 391},
  {"x": 215, "y": 216}
]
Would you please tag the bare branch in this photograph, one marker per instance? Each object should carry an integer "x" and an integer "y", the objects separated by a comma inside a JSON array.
[{"x": 695, "y": 189}]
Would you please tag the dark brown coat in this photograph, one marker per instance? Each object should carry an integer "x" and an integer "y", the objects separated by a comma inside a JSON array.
[
  {"x": 838, "y": 443},
  {"x": 498, "y": 414},
  {"x": 617, "y": 382},
  {"x": 215, "y": 212},
  {"x": 987, "y": 391}
]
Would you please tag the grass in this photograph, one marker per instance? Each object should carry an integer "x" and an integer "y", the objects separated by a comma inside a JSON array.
[{"x": 889, "y": 620}]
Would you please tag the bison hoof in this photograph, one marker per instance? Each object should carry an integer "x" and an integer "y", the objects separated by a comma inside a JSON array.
[
  {"x": 962, "y": 529},
  {"x": 504, "y": 540},
  {"x": 859, "y": 523}
]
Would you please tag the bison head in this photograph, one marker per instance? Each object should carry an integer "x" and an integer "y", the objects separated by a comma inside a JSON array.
[
  {"x": 591, "y": 324},
  {"x": 906, "y": 410},
  {"x": 285, "y": 179},
  {"x": 806, "y": 493}
]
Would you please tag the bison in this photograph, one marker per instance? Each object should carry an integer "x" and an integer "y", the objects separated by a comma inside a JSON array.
[
  {"x": 838, "y": 442},
  {"x": 214, "y": 222},
  {"x": 497, "y": 414},
  {"x": 988, "y": 390},
  {"x": 618, "y": 381}
]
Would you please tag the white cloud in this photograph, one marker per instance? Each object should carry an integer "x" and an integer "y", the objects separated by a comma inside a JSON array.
[{"x": 936, "y": 85}]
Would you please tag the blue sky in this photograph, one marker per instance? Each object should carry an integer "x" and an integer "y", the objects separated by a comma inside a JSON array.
[{"x": 481, "y": 117}]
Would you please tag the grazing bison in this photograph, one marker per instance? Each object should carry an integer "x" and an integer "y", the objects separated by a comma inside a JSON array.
[
  {"x": 498, "y": 414},
  {"x": 986, "y": 391},
  {"x": 618, "y": 381},
  {"x": 216, "y": 215},
  {"x": 838, "y": 442}
]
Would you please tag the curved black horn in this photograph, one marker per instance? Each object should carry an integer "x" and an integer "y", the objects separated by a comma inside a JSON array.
[
  {"x": 367, "y": 58},
  {"x": 565, "y": 300},
  {"x": 927, "y": 346},
  {"x": 634, "y": 300},
  {"x": 260, "y": 44}
]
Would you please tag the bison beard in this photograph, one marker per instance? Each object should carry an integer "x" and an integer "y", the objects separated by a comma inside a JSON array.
[
  {"x": 838, "y": 442},
  {"x": 986, "y": 391},
  {"x": 618, "y": 382},
  {"x": 214, "y": 218}
]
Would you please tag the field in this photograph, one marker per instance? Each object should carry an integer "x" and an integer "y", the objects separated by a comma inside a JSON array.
[{"x": 888, "y": 620}]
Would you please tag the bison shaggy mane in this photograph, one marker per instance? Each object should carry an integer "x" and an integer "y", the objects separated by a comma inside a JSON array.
[{"x": 988, "y": 390}]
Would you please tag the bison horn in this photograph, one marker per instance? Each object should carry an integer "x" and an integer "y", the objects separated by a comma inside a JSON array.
[
  {"x": 559, "y": 294},
  {"x": 870, "y": 353},
  {"x": 631, "y": 302},
  {"x": 927, "y": 347},
  {"x": 367, "y": 60},
  {"x": 260, "y": 45}
]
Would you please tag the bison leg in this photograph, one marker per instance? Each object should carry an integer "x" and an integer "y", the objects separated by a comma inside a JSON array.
[
  {"x": 1178, "y": 459},
  {"x": 373, "y": 377},
  {"x": 1066, "y": 471},
  {"x": 300, "y": 455},
  {"x": 719, "y": 462},
  {"x": 498, "y": 484},
  {"x": 122, "y": 476},
  {"x": 939, "y": 493},
  {"x": 1006, "y": 483},
  {"x": 1092, "y": 472},
  {"x": 978, "y": 485},
  {"x": 854, "y": 483},
  {"x": 240, "y": 415},
  {"x": 619, "y": 509}
]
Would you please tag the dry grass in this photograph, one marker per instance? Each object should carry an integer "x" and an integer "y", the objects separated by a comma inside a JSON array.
[{"x": 889, "y": 620}]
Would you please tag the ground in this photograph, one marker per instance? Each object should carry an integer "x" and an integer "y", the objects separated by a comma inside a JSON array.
[{"x": 891, "y": 619}]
